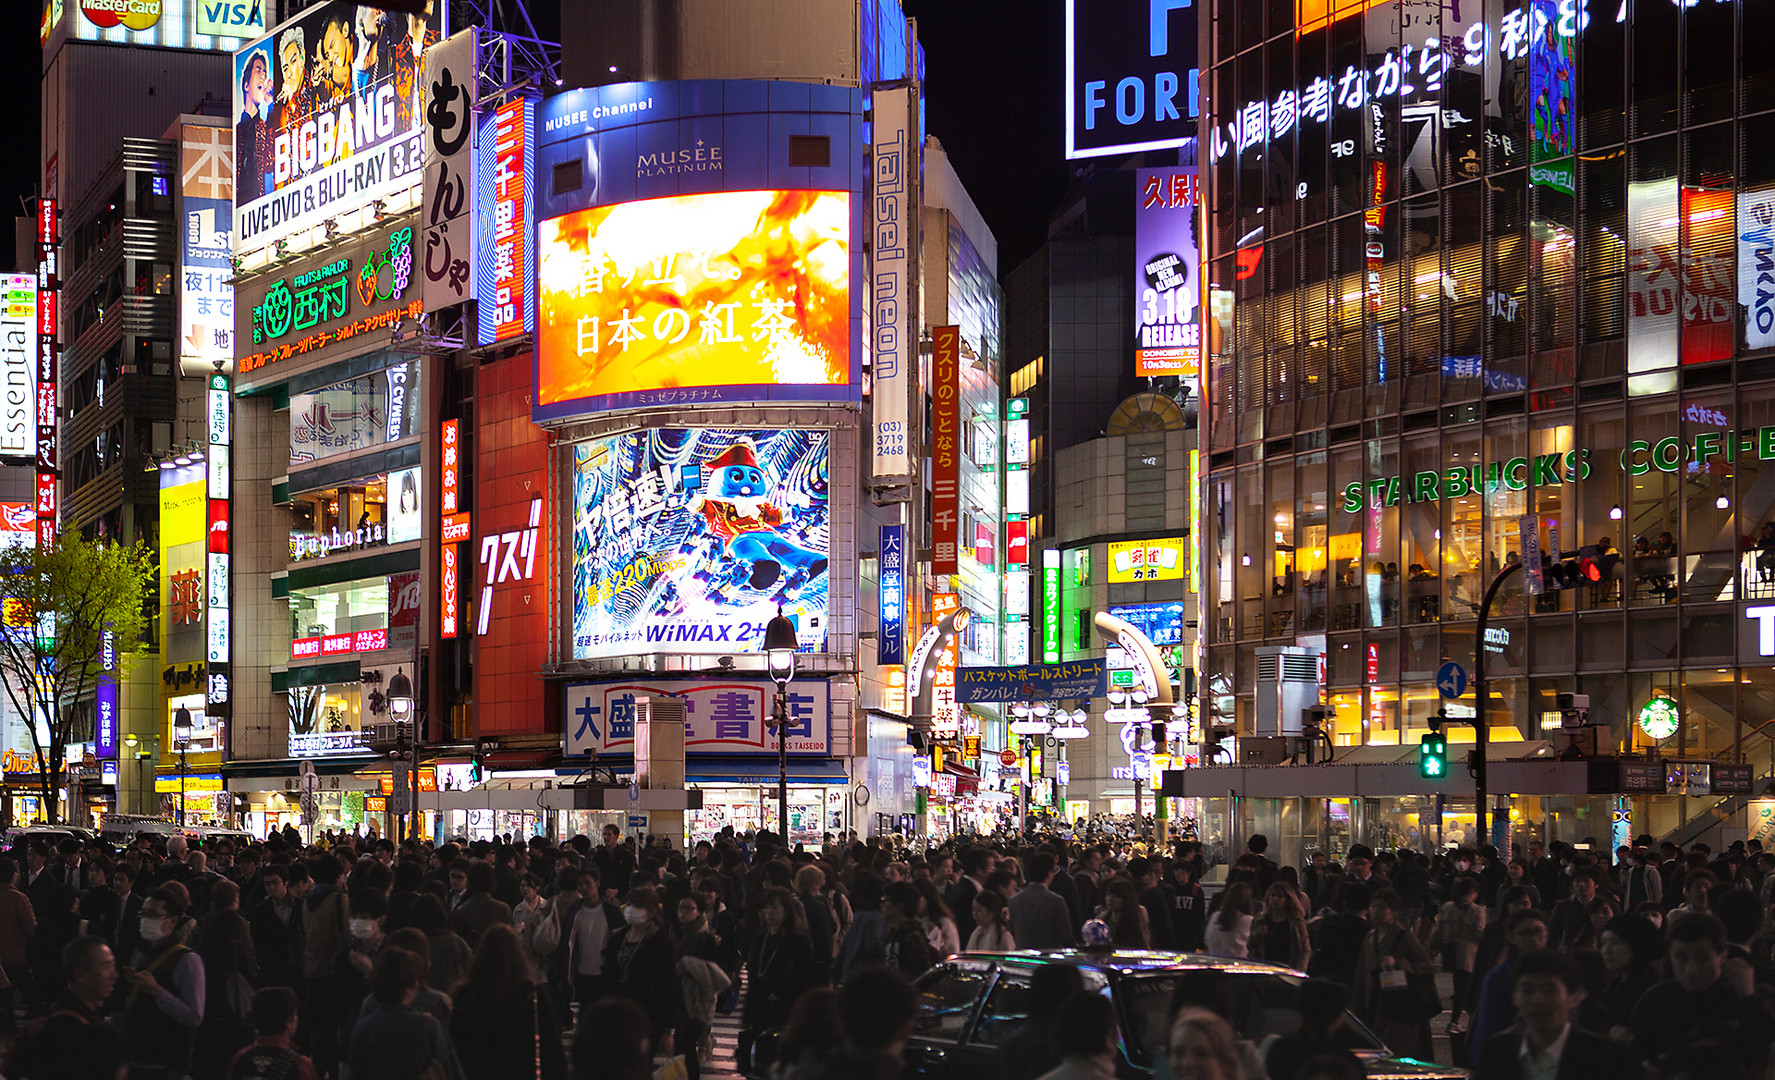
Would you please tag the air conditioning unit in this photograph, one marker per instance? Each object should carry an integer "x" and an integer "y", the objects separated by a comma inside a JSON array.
[{"x": 1287, "y": 684}]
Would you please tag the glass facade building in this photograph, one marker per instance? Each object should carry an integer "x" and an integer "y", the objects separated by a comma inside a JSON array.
[{"x": 1470, "y": 263}]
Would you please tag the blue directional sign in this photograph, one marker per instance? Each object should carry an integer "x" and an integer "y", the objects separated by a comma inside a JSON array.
[{"x": 1451, "y": 680}]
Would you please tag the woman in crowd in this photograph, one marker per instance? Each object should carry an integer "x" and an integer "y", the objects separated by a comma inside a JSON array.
[
  {"x": 1394, "y": 988},
  {"x": 1279, "y": 935},
  {"x": 1129, "y": 925},
  {"x": 1229, "y": 931},
  {"x": 503, "y": 1024},
  {"x": 641, "y": 963},
  {"x": 397, "y": 1041},
  {"x": 779, "y": 967},
  {"x": 992, "y": 925}
]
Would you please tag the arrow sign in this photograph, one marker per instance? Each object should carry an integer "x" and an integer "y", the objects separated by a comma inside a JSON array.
[{"x": 1451, "y": 680}]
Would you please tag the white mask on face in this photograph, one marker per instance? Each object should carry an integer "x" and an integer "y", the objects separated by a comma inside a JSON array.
[
  {"x": 634, "y": 916},
  {"x": 154, "y": 929},
  {"x": 363, "y": 929}
]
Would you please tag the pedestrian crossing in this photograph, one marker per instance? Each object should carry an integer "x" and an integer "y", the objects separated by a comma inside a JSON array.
[{"x": 726, "y": 1032}]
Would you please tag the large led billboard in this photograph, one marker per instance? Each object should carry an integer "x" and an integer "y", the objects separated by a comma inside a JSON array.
[
  {"x": 686, "y": 540},
  {"x": 1131, "y": 76},
  {"x": 327, "y": 117},
  {"x": 18, "y": 367},
  {"x": 737, "y": 295}
]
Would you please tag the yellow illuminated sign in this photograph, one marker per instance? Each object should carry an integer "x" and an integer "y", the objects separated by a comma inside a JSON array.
[
  {"x": 1310, "y": 15},
  {"x": 1148, "y": 560}
]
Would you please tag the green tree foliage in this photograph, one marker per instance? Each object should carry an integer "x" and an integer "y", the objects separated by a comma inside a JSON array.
[{"x": 60, "y": 600}]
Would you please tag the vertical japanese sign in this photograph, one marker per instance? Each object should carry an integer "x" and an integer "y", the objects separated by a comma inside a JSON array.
[
  {"x": 219, "y": 401},
  {"x": 1016, "y": 543},
  {"x": 945, "y": 449},
  {"x": 945, "y": 713},
  {"x": 453, "y": 532},
  {"x": 1552, "y": 87},
  {"x": 1051, "y": 606},
  {"x": 49, "y": 350},
  {"x": 206, "y": 214},
  {"x": 104, "y": 726},
  {"x": 1167, "y": 255},
  {"x": 447, "y": 215},
  {"x": 890, "y": 641},
  {"x": 18, "y": 367},
  {"x": 892, "y": 175},
  {"x": 507, "y": 304}
]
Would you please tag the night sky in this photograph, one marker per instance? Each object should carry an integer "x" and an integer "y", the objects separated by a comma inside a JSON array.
[{"x": 993, "y": 97}]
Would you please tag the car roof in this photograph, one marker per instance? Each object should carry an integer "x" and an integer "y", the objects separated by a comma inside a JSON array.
[{"x": 1130, "y": 961}]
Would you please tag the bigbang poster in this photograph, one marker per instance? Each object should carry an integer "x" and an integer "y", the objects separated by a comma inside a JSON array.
[
  {"x": 1167, "y": 280},
  {"x": 685, "y": 540}
]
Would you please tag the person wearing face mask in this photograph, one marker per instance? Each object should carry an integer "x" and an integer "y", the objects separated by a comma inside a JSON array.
[
  {"x": 224, "y": 942},
  {"x": 164, "y": 1005},
  {"x": 641, "y": 962},
  {"x": 357, "y": 958}
]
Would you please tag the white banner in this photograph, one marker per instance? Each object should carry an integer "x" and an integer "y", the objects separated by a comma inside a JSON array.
[
  {"x": 448, "y": 212},
  {"x": 1756, "y": 266},
  {"x": 1654, "y": 286},
  {"x": 719, "y": 717},
  {"x": 893, "y": 174}
]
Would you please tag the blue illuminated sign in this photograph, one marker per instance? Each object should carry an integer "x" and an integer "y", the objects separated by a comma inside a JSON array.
[
  {"x": 890, "y": 642},
  {"x": 1163, "y": 623},
  {"x": 1131, "y": 76}
]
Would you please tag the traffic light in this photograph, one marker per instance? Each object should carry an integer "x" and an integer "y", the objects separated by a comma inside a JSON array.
[{"x": 1433, "y": 755}]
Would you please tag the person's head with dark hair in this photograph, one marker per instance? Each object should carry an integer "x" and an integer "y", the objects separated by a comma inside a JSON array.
[
  {"x": 369, "y": 914},
  {"x": 1258, "y": 844},
  {"x": 1236, "y": 901},
  {"x": 8, "y": 870},
  {"x": 500, "y": 972},
  {"x": 1525, "y": 931},
  {"x": 1546, "y": 988},
  {"x": 1038, "y": 867},
  {"x": 91, "y": 968},
  {"x": 324, "y": 869},
  {"x": 1698, "y": 888},
  {"x": 161, "y": 913},
  {"x": 395, "y": 977},
  {"x": 876, "y": 1009},
  {"x": 1322, "y": 1003},
  {"x": 1464, "y": 889},
  {"x": 481, "y": 878},
  {"x": 274, "y": 1012},
  {"x": 1051, "y": 987},
  {"x": 612, "y": 1042},
  {"x": 1085, "y": 1026},
  {"x": 900, "y": 901},
  {"x": 1354, "y": 897},
  {"x": 813, "y": 1029},
  {"x": 429, "y": 916},
  {"x": 1629, "y": 941},
  {"x": 1741, "y": 912},
  {"x": 1202, "y": 1046},
  {"x": 1697, "y": 951}
]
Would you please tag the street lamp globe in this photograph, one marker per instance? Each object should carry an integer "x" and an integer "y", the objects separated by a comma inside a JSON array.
[
  {"x": 400, "y": 697},
  {"x": 779, "y": 648},
  {"x": 182, "y": 724}
]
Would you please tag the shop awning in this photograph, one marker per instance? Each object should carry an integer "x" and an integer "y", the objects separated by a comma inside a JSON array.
[
  {"x": 761, "y": 772},
  {"x": 967, "y": 781}
]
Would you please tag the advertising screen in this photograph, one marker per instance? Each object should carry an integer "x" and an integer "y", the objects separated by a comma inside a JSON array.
[
  {"x": 1161, "y": 623},
  {"x": 326, "y": 117},
  {"x": 1146, "y": 560},
  {"x": 1166, "y": 275},
  {"x": 1131, "y": 76},
  {"x": 729, "y": 296},
  {"x": 364, "y": 413},
  {"x": 405, "y": 502},
  {"x": 687, "y": 540},
  {"x": 206, "y": 296}
]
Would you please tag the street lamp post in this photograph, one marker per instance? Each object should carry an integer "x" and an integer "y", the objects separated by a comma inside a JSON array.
[
  {"x": 400, "y": 709},
  {"x": 182, "y": 738},
  {"x": 780, "y": 644}
]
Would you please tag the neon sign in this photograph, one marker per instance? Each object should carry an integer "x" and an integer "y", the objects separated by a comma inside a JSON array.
[{"x": 1404, "y": 73}]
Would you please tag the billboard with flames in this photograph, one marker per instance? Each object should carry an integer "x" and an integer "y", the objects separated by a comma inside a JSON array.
[{"x": 733, "y": 295}]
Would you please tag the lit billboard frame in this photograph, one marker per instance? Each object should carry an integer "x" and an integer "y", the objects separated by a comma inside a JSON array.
[
  {"x": 1130, "y": 83},
  {"x": 633, "y": 142}
]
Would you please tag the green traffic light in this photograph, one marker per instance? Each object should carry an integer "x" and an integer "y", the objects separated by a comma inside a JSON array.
[{"x": 1433, "y": 756}]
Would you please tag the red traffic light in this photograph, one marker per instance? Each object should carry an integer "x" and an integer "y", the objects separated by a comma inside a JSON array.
[{"x": 1589, "y": 570}]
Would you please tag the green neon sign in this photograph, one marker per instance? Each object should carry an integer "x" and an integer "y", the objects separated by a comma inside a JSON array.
[
  {"x": 1546, "y": 470},
  {"x": 1659, "y": 718},
  {"x": 1051, "y": 607},
  {"x": 323, "y": 295}
]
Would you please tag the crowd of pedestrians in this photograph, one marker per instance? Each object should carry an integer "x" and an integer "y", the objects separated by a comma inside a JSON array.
[{"x": 359, "y": 958}]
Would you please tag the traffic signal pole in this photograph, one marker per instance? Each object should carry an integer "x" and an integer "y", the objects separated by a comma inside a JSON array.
[{"x": 1480, "y": 725}]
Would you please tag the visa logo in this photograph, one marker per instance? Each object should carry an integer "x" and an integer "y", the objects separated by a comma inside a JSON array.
[{"x": 231, "y": 18}]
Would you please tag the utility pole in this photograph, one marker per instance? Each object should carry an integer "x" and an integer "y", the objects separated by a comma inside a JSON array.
[{"x": 1479, "y": 698}]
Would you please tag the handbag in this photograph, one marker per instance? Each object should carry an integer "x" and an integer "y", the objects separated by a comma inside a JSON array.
[
  {"x": 430, "y": 1068},
  {"x": 1413, "y": 1002}
]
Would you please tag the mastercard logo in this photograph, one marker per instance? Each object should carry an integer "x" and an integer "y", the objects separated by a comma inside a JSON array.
[{"x": 130, "y": 14}]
